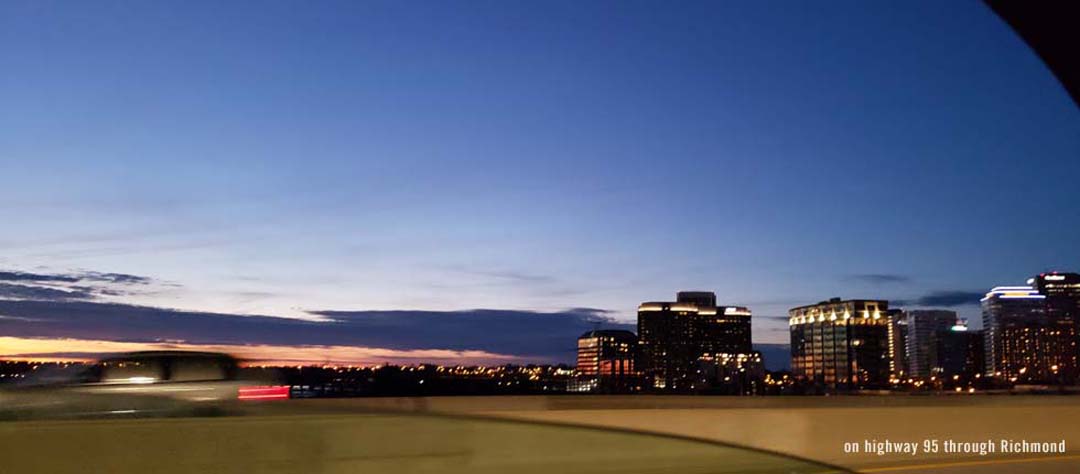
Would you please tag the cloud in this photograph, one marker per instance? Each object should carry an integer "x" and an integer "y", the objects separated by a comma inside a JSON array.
[
  {"x": 121, "y": 278},
  {"x": 74, "y": 277},
  {"x": 775, "y": 356},
  {"x": 82, "y": 285},
  {"x": 36, "y": 277},
  {"x": 879, "y": 278},
  {"x": 772, "y": 317},
  {"x": 945, "y": 298},
  {"x": 26, "y": 292},
  {"x": 530, "y": 335},
  {"x": 513, "y": 276}
]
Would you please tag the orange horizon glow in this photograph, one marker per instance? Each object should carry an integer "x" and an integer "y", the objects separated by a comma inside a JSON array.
[{"x": 53, "y": 350}]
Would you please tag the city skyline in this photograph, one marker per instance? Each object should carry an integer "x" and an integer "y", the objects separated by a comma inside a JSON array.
[{"x": 532, "y": 170}]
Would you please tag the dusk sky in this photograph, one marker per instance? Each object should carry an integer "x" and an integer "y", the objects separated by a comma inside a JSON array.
[{"x": 387, "y": 164}]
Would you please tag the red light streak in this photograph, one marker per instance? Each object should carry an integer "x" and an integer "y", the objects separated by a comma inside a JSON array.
[{"x": 269, "y": 392}]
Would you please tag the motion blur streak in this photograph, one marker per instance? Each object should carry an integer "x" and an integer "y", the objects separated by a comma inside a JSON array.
[{"x": 272, "y": 392}]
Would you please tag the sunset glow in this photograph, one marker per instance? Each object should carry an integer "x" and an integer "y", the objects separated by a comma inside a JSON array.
[{"x": 69, "y": 350}]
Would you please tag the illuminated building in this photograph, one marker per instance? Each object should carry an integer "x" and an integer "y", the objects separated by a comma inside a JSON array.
[
  {"x": 841, "y": 344},
  {"x": 605, "y": 362},
  {"x": 1031, "y": 331},
  {"x": 674, "y": 336},
  {"x": 1022, "y": 345},
  {"x": 898, "y": 340},
  {"x": 924, "y": 327},
  {"x": 732, "y": 374},
  {"x": 1062, "y": 292}
]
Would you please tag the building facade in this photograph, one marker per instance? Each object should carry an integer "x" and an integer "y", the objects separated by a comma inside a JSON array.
[
  {"x": 1021, "y": 346},
  {"x": 956, "y": 353},
  {"x": 675, "y": 336},
  {"x": 732, "y": 374},
  {"x": 1031, "y": 332},
  {"x": 841, "y": 344},
  {"x": 924, "y": 328},
  {"x": 605, "y": 362},
  {"x": 1062, "y": 292}
]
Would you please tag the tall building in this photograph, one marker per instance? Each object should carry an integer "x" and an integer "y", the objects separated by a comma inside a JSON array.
[
  {"x": 1062, "y": 292},
  {"x": 841, "y": 344},
  {"x": 674, "y": 337},
  {"x": 898, "y": 330},
  {"x": 605, "y": 362},
  {"x": 1022, "y": 345},
  {"x": 732, "y": 374},
  {"x": 924, "y": 326},
  {"x": 1031, "y": 331},
  {"x": 956, "y": 352}
]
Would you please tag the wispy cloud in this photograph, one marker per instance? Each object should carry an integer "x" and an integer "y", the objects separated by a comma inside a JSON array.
[
  {"x": 36, "y": 277},
  {"x": 69, "y": 286},
  {"x": 121, "y": 278},
  {"x": 512, "y": 276},
  {"x": 29, "y": 292},
  {"x": 943, "y": 298},
  {"x": 879, "y": 278}
]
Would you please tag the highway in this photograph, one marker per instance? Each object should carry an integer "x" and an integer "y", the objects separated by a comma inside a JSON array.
[{"x": 487, "y": 435}]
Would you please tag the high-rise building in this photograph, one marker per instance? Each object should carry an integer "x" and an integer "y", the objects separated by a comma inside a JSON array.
[
  {"x": 898, "y": 330},
  {"x": 923, "y": 329},
  {"x": 956, "y": 353},
  {"x": 1022, "y": 343},
  {"x": 841, "y": 344},
  {"x": 605, "y": 362},
  {"x": 1062, "y": 292},
  {"x": 732, "y": 374},
  {"x": 674, "y": 336}
]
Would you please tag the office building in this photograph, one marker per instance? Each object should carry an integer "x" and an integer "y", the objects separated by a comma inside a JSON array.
[
  {"x": 1022, "y": 344},
  {"x": 605, "y": 362},
  {"x": 1062, "y": 292},
  {"x": 732, "y": 374},
  {"x": 924, "y": 326},
  {"x": 841, "y": 344},
  {"x": 674, "y": 336},
  {"x": 956, "y": 353}
]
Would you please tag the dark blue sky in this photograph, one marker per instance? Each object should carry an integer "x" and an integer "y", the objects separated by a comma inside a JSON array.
[{"x": 279, "y": 157}]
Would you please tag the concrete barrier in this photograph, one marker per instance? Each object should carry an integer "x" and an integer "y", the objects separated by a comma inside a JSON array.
[{"x": 811, "y": 427}]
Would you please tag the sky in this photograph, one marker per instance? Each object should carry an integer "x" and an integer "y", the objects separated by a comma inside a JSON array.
[{"x": 524, "y": 171}]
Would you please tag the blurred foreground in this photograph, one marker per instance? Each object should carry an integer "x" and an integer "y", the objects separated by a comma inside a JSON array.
[
  {"x": 544, "y": 434},
  {"x": 312, "y": 437}
]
